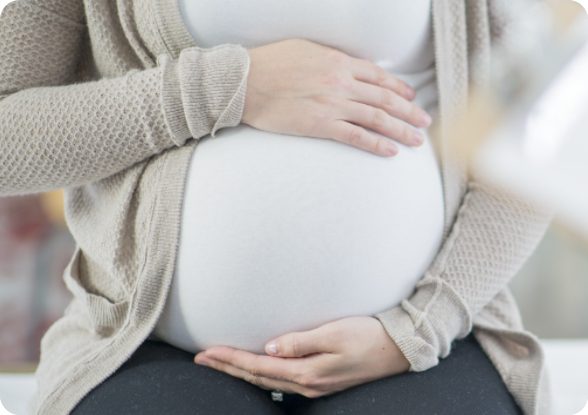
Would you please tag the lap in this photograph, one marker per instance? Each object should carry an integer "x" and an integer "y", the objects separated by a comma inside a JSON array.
[
  {"x": 159, "y": 378},
  {"x": 466, "y": 382}
]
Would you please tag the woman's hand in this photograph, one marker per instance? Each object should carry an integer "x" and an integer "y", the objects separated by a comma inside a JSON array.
[
  {"x": 330, "y": 358},
  {"x": 299, "y": 87}
]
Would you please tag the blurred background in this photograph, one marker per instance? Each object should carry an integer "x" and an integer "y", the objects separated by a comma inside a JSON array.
[
  {"x": 35, "y": 247},
  {"x": 552, "y": 287}
]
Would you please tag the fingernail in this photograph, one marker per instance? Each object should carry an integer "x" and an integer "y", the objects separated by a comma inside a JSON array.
[
  {"x": 417, "y": 138},
  {"x": 271, "y": 348}
]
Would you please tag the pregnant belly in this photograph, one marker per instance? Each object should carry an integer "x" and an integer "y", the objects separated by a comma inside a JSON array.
[{"x": 283, "y": 233}]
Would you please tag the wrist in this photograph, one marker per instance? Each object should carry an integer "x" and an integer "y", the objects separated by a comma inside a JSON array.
[
  {"x": 249, "y": 108},
  {"x": 400, "y": 363}
]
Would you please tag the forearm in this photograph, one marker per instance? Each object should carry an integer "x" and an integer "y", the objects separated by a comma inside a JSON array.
[
  {"x": 57, "y": 133},
  {"x": 492, "y": 237},
  {"x": 69, "y": 135}
]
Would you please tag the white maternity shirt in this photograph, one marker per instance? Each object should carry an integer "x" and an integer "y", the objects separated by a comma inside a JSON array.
[{"x": 284, "y": 233}]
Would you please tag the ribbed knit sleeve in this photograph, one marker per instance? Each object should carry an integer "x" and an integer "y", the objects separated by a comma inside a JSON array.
[
  {"x": 58, "y": 132},
  {"x": 492, "y": 237}
]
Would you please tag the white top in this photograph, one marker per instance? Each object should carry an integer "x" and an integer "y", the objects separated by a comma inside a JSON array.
[{"x": 284, "y": 233}]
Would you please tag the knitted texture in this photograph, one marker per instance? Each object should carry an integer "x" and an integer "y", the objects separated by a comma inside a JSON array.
[
  {"x": 492, "y": 235},
  {"x": 102, "y": 97},
  {"x": 58, "y": 133}
]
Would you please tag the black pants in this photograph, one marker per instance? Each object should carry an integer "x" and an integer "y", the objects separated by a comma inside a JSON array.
[{"x": 161, "y": 379}]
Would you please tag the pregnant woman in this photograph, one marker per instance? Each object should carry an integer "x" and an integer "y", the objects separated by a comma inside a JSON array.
[
  {"x": 312, "y": 230},
  {"x": 247, "y": 172}
]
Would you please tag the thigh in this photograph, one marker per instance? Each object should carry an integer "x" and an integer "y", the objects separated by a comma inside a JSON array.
[
  {"x": 466, "y": 382},
  {"x": 161, "y": 379}
]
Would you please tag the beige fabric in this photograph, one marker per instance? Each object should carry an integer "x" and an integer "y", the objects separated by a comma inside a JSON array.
[{"x": 108, "y": 99}]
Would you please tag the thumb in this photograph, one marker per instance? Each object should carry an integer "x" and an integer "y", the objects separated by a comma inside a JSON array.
[{"x": 300, "y": 343}]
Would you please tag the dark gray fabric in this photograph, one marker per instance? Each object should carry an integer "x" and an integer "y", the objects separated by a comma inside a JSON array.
[
  {"x": 160, "y": 379},
  {"x": 465, "y": 382}
]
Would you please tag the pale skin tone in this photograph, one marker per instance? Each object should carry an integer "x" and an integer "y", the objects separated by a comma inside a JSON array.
[{"x": 299, "y": 87}]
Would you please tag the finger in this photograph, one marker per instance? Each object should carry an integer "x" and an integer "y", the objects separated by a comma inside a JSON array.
[
  {"x": 301, "y": 343},
  {"x": 356, "y": 136},
  {"x": 380, "y": 121},
  {"x": 396, "y": 105},
  {"x": 261, "y": 381},
  {"x": 262, "y": 365},
  {"x": 367, "y": 71}
]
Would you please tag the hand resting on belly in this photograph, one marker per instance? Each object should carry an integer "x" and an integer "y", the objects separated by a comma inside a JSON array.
[
  {"x": 282, "y": 233},
  {"x": 304, "y": 88}
]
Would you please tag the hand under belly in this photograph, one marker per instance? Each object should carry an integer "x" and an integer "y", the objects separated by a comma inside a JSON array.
[{"x": 283, "y": 233}]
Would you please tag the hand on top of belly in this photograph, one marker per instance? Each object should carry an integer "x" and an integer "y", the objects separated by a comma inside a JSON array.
[
  {"x": 318, "y": 362},
  {"x": 303, "y": 88}
]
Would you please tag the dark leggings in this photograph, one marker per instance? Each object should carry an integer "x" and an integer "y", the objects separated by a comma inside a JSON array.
[{"x": 161, "y": 379}]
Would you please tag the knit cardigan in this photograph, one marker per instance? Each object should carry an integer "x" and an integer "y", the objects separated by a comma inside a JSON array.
[{"x": 108, "y": 99}]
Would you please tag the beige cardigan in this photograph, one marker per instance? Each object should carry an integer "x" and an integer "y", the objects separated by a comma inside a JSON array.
[{"x": 109, "y": 98}]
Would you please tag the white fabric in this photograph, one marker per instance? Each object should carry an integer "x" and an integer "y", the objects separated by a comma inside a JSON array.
[
  {"x": 267, "y": 238},
  {"x": 393, "y": 34},
  {"x": 16, "y": 390}
]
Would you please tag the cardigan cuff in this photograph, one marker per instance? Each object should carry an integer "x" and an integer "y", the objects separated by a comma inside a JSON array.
[
  {"x": 232, "y": 113},
  {"x": 171, "y": 100},
  {"x": 213, "y": 83},
  {"x": 204, "y": 90},
  {"x": 424, "y": 326}
]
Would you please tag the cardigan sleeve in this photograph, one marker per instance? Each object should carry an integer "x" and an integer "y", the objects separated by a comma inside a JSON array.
[
  {"x": 57, "y": 131},
  {"x": 492, "y": 236}
]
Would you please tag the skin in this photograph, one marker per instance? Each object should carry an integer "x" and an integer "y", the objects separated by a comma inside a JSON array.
[
  {"x": 303, "y": 88},
  {"x": 317, "y": 362}
]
